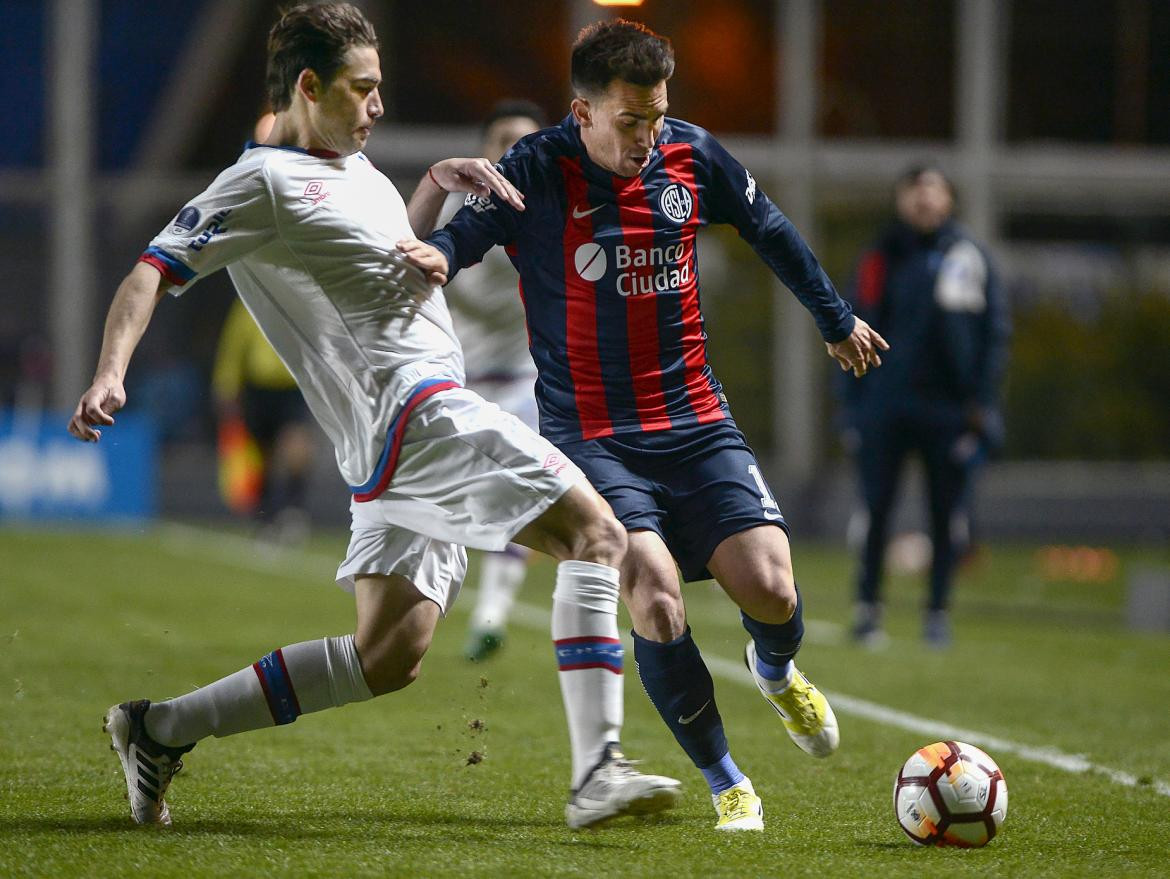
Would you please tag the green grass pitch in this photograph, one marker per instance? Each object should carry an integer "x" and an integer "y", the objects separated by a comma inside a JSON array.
[{"x": 1044, "y": 668}]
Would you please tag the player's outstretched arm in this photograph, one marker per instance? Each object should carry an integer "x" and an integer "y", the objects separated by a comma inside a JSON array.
[
  {"x": 427, "y": 258},
  {"x": 126, "y": 321},
  {"x": 859, "y": 350},
  {"x": 478, "y": 176}
]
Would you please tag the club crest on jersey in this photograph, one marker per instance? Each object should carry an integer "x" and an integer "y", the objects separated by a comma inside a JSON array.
[
  {"x": 677, "y": 203},
  {"x": 187, "y": 219}
]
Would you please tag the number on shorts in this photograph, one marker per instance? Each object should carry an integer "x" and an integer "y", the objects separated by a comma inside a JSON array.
[{"x": 766, "y": 500}]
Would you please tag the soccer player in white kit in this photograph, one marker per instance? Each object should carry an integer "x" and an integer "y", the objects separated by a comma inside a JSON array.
[
  {"x": 320, "y": 248},
  {"x": 491, "y": 326}
]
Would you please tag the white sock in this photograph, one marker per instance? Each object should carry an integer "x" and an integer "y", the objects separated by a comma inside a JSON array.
[
  {"x": 285, "y": 684},
  {"x": 589, "y": 654},
  {"x": 501, "y": 575}
]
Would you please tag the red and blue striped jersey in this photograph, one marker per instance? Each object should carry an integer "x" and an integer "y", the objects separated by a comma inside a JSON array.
[{"x": 609, "y": 275}]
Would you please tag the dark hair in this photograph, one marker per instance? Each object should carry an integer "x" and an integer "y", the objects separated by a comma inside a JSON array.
[
  {"x": 315, "y": 36},
  {"x": 619, "y": 49},
  {"x": 510, "y": 108},
  {"x": 910, "y": 176}
]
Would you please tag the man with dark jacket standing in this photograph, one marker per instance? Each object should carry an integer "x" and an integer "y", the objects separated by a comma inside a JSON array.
[{"x": 932, "y": 292}]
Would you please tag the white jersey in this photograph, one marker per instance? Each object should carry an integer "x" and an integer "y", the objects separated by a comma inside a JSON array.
[
  {"x": 489, "y": 314},
  {"x": 309, "y": 241}
]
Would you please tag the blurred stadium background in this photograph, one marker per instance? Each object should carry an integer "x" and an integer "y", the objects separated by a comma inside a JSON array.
[{"x": 1051, "y": 115}]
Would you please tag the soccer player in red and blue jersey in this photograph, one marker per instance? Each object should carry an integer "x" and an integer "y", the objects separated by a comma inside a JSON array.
[{"x": 614, "y": 197}]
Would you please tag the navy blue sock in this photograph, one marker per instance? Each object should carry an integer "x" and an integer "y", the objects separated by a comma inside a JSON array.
[
  {"x": 776, "y": 643},
  {"x": 722, "y": 775},
  {"x": 677, "y": 681}
]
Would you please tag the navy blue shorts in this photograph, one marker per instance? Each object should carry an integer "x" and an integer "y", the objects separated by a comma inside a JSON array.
[{"x": 693, "y": 486}]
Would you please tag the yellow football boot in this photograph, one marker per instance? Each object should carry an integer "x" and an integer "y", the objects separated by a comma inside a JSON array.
[
  {"x": 806, "y": 713},
  {"x": 739, "y": 808}
]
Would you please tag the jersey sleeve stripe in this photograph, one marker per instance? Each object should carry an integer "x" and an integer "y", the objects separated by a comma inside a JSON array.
[
  {"x": 172, "y": 269},
  {"x": 680, "y": 167}
]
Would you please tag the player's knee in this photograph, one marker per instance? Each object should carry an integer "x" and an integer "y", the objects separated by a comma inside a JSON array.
[
  {"x": 773, "y": 596},
  {"x": 661, "y": 617},
  {"x": 602, "y": 539},
  {"x": 389, "y": 677},
  {"x": 387, "y": 668}
]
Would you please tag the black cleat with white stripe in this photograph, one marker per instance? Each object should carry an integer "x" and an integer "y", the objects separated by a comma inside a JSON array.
[{"x": 149, "y": 766}]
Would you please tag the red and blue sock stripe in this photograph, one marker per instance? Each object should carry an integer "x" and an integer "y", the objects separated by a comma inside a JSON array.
[
  {"x": 278, "y": 688},
  {"x": 589, "y": 651}
]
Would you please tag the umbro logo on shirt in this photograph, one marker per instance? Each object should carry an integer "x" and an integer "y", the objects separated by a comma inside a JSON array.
[{"x": 314, "y": 193}]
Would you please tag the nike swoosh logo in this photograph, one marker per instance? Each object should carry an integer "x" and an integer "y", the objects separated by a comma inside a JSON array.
[
  {"x": 686, "y": 720},
  {"x": 578, "y": 213}
]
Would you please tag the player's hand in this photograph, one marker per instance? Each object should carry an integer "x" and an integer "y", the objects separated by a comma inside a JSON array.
[
  {"x": 478, "y": 176},
  {"x": 859, "y": 351},
  {"x": 425, "y": 257},
  {"x": 96, "y": 408}
]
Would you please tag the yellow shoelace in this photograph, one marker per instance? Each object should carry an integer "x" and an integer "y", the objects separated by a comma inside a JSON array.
[{"x": 732, "y": 804}]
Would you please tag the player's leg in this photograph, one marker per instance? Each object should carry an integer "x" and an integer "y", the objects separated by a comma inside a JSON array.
[
  {"x": 395, "y": 624},
  {"x": 677, "y": 680},
  {"x": 501, "y": 574},
  {"x": 754, "y": 567},
  {"x": 469, "y": 472},
  {"x": 879, "y": 459},
  {"x": 724, "y": 521},
  {"x": 948, "y": 483},
  {"x": 396, "y": 618},
  {"x": 580, "y": 531},
  {"x": 259, "y": 417},
  {"x": 292, "y": 459},
  {"x": 151, "y": 738}
]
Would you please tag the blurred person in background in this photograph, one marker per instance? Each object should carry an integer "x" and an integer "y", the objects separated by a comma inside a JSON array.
[
  {"x": 254, "y": 391},
  {"x": 489, "y": 321},
  {"x": 932, "y": 291}
]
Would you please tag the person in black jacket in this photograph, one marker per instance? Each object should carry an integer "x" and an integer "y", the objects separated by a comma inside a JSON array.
[{"x": 932, "y": 292}]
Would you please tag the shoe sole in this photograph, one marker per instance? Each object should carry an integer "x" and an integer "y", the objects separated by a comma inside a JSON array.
[
  {"x": 741, "y": 826},
  {"x": 117, "y": 726},
  {"x": 649, "y": 803},
  {"x": 821, "y": 751}
]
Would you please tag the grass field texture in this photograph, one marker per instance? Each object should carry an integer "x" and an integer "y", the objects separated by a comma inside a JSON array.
[{"x": 1043, "y": 675}]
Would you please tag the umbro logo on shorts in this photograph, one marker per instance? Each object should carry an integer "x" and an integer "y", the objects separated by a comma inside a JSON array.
[{"x": 555, "y": 463}]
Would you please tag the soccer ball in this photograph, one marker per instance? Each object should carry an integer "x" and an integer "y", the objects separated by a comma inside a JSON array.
[{"x": 950, "y": 793}]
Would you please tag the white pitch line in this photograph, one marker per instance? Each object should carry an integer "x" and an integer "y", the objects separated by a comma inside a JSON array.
[
  {"x": 243, "y": 552},
  {"x": 940, "y": 730}
]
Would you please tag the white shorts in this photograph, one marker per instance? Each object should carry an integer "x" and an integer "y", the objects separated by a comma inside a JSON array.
[
  {"x": 514, "y": 395},
  {"x": 435, "y": 567},
  {"x": 468, "y": 474}
]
